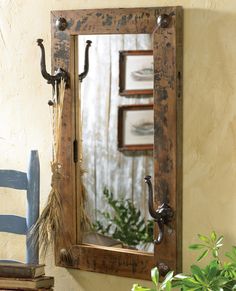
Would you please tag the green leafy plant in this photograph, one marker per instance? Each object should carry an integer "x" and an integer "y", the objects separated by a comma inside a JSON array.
[
  {"x": 124, "y": 222},
  {"x": 217, "y": 275},
  {"x": 165, "y": 285}
]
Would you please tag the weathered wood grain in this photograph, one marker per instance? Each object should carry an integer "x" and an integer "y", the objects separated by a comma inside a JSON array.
[
  {"x": 167, "y": 51},
  {"x": 167, "y": 46},
  {"x": 62, "y": 56},
  {"x": 120, "y": 262}
]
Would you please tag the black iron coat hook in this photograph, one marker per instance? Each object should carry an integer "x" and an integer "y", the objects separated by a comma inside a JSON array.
[
  {"x": 163, "y": 215},
  {"x": 54, "y": 80},
  {"x": 60, "y": 74},
  {"x": 86, "y": 61}
]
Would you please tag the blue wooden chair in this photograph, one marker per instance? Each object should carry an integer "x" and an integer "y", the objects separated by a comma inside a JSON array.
[{"x": 20, "y": 225}]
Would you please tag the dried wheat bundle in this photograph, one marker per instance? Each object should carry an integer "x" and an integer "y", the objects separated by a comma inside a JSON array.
[{"x": 49, "y": 224}]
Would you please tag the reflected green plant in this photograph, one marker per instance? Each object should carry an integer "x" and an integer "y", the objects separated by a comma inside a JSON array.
[{"x": 124, "y": 222}]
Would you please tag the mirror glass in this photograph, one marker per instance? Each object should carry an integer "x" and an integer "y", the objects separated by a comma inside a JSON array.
[{"x": 116, "y": 109}]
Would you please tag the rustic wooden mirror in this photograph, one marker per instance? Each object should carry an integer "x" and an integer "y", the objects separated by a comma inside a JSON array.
[{"x": 163, "y": 26}]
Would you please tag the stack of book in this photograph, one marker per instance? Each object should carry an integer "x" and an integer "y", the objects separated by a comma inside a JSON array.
[{"x": 14, "y": 276}]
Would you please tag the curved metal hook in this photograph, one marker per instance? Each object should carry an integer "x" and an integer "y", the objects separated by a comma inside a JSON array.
[
  {"x": 86, "y": 61},
  {"x": 160, "y": 236},
  {"x": 151, "y": 209},
  {"x": 59, "y": 74},
  {"x": 162, "y": 215},
  {"x": 51, "y": 79}
]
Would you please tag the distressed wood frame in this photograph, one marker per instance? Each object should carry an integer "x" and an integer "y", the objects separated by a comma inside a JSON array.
[
  {"x": 167, "y": 52},
  {"x": 131, "y": 147}
]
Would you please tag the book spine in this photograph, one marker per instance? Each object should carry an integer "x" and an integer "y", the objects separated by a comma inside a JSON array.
[{"x": 16, "y": 273}]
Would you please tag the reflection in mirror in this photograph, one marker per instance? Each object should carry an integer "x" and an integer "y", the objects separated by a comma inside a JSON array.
[{"x": 114, "y": 175}]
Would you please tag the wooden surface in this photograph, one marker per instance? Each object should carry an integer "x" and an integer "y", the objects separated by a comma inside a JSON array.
[
  {"x": 33, "y": 195},
  {"x": 167, "y": 47},
  {"x": 115, "y": 261},
  {"x": 13, "y": 179},
  {"x": 13, "y": 224}
]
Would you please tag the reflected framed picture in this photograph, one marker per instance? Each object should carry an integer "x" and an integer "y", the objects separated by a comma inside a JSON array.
[
  {"x": 135, "y": 127},
  {"x": 136, "y": 72}
]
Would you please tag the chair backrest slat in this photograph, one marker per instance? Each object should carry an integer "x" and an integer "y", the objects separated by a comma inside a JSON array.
[
  {"x": 13, "y": 224},
  {"x": 13, "y": 179},
  {"x": 33, "y": 207}
]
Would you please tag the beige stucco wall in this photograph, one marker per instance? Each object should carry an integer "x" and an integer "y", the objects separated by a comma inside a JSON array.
[{"x": 209, "y": 117}]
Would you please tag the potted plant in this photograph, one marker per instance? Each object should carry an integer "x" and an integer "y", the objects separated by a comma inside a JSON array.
[
  {"x": 164, "y": 285},
  {"x": 217, "y": 275}
]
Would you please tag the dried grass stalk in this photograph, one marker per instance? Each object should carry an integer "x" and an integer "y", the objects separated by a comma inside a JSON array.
[{"x": 49, "y": 224}]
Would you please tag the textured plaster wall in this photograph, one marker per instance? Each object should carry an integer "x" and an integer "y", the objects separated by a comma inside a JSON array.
[{"x": 209, "y": 117}]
